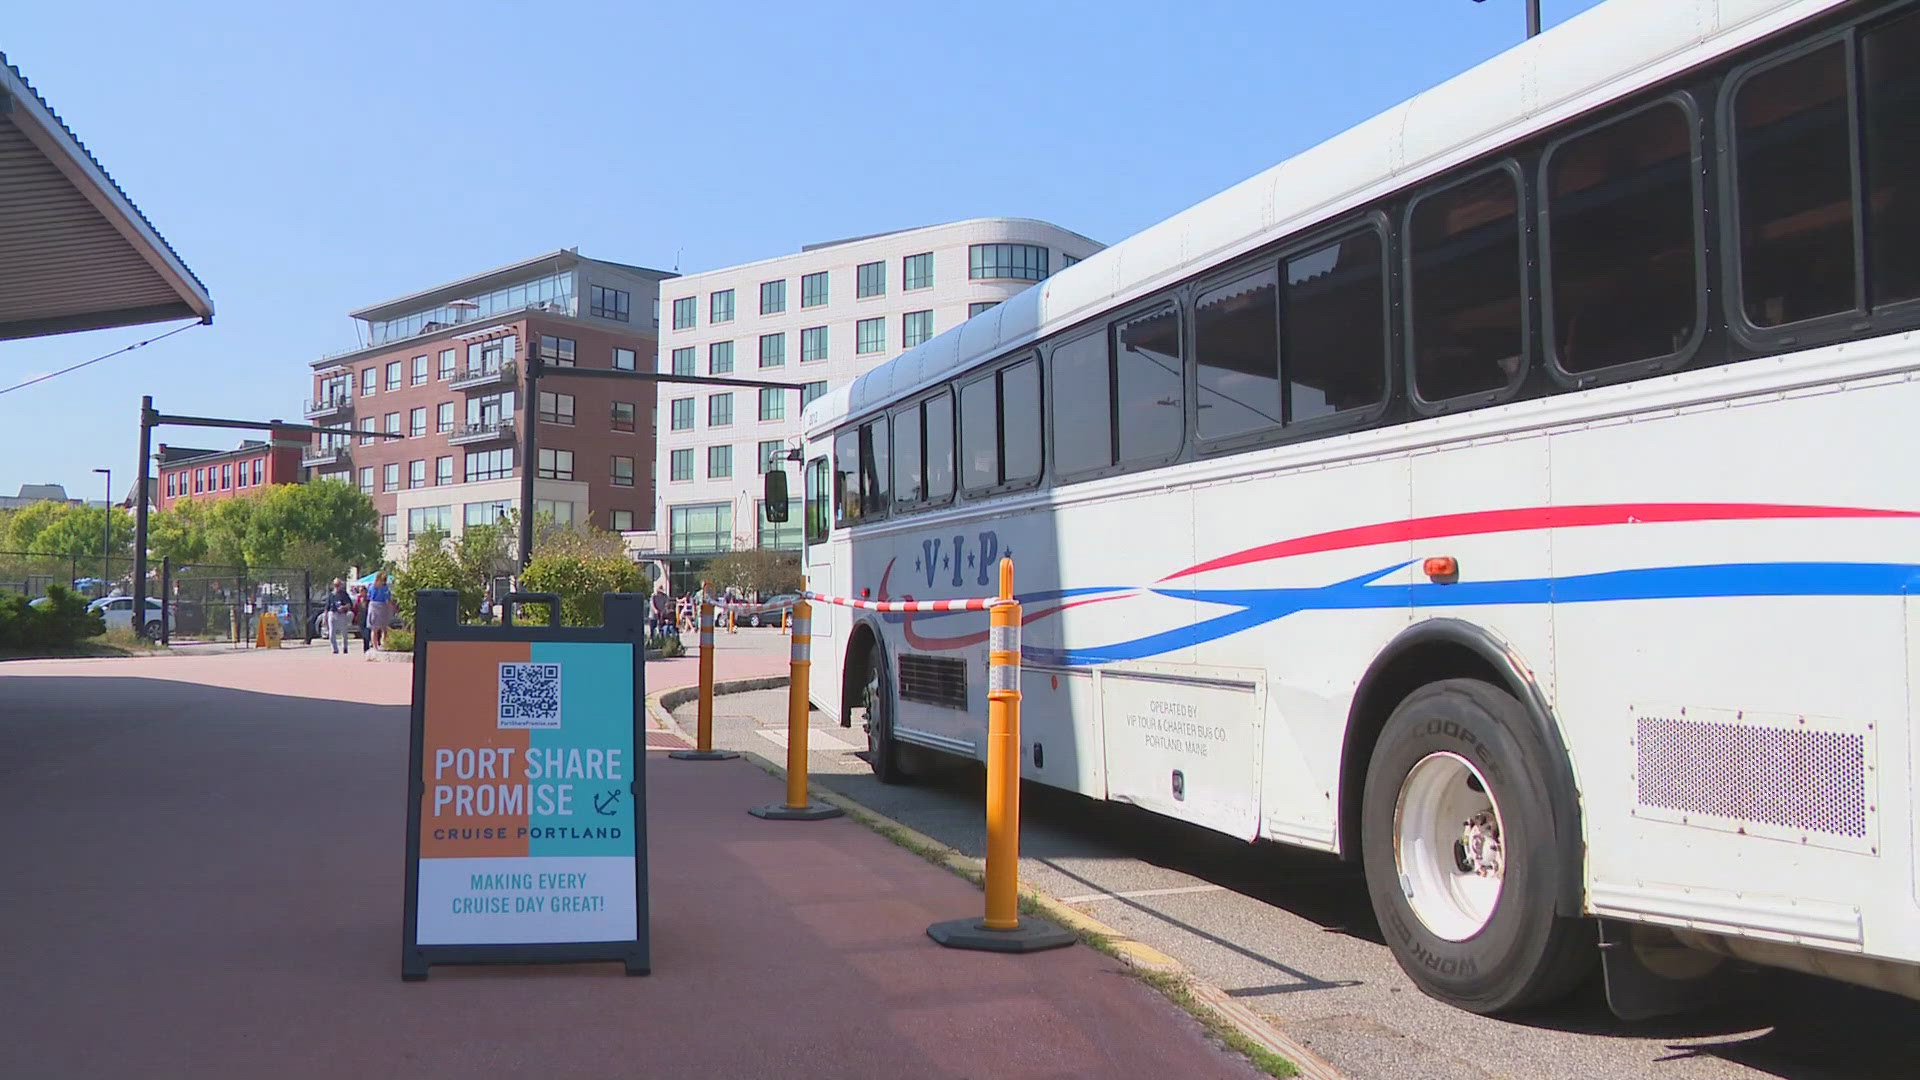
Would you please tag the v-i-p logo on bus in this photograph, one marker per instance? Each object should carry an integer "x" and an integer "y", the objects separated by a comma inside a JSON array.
[{"x": 961, "y": 560}]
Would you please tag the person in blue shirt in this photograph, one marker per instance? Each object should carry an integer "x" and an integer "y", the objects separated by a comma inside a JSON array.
[{"x": 379, "y": 609}]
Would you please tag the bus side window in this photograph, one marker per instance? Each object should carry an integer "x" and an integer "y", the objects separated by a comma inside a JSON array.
[
  {"x": 1082, "y": 407},
  {"x": 817, "y": 512},
  {"x": 1335, "y": 352},
  {"x": 939, "y": 431},
  {"x": 1464, "y": 261},
  {"x": 875, "y": 476},
  {"x": 1150, "y": 404},
  {"x": 846, "y": 478},
  {"x": 909, "y": 481}
]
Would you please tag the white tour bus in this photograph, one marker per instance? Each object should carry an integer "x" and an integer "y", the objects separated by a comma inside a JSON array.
[{"x": 1511, "y": 493}]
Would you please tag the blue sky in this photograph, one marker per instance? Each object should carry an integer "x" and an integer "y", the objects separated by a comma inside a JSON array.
[{"x": 307, "y": 165}]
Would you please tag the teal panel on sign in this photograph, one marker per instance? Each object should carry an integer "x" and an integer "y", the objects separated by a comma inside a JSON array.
[{"x": 587, "y": 763}]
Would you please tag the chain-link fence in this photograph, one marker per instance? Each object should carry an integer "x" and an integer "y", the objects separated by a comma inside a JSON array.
[
  {"x": 89, "y": 575},
  {"x": 224, "y": 603}
]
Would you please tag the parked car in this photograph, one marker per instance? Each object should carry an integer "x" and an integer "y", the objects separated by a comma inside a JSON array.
[
  {"x": 768, "y": 612},
  {"x": 118, "y": 611}
]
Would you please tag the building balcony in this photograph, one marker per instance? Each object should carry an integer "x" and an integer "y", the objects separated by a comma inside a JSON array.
[
  {"x": 338, "y": 407},
  {"x": 473, "y": 378},
  {"x": 326, "y": 457},
  {"x": 482, "y": 432}
]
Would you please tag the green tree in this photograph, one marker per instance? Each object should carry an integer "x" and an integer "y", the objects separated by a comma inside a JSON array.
[
  {"x": 483, "y": 553},
  {"x": 273, "y": 527},
  {"x": 430, "y": 564},
  {"x": 580, "y": 563},
  {"x": 758, "y": 571}
]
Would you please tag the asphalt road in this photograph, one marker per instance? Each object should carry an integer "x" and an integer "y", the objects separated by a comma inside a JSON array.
[{"x": 1293, "y": 934}]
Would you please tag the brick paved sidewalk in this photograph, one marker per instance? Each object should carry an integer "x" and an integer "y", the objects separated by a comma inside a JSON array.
[{"x": 207, "y": 858}]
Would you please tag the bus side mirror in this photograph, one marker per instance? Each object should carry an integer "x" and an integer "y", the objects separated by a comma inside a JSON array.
[{"x": 774, "y": 499}]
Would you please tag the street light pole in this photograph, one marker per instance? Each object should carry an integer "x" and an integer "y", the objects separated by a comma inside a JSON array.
[
  {"x": 1533, "y": 16},
  {"x": 106, "y": 534},
  {"x": 529, "y": 448}
]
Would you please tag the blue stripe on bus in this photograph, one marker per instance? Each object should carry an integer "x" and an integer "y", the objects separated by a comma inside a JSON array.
[{"x": 1260, "y": 606}]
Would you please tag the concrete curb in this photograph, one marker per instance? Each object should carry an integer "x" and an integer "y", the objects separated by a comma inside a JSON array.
[{"x": 1133, "y": 953}]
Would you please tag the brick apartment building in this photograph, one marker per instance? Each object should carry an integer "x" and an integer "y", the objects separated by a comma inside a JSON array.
[
  {"x": 443, "y": 368},
  {"x": 188, "y": 474}
]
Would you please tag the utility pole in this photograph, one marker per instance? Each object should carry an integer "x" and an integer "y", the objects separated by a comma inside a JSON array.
[
  {"x": 147, "y": 419},
  {"x": 106, "y": 541},
  {"x": 1533, "y": 16},
  {"x": 529, "y": 450}
]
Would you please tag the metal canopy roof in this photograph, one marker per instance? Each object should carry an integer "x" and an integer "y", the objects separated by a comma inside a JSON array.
[{"x": 75, "y": 253}]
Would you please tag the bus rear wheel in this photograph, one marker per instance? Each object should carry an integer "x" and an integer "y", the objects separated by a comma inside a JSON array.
[{"x": 1457, "y": 838}]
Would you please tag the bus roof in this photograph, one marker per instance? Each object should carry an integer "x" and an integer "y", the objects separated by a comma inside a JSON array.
[{"x": 1602, "y": 54}]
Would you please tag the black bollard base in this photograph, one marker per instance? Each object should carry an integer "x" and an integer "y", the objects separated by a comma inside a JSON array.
[
  {"x": 1032, "y": 935},
  {"x": 783, "y": 812},
  {"x": 702, "y": 755}
]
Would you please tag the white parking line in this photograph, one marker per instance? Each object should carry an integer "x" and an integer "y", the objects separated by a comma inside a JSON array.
[
  {"x": 1138, "y": 893},
  {"x": 817, "y": 741}
]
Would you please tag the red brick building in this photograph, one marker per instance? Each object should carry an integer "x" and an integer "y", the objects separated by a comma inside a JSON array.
[
  {"x": 443, "y": 368},
  {"x": 187, "y": 474}
]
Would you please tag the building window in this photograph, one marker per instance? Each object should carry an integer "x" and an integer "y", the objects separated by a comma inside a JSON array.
[
  {"x": 366, "y": 480},
  {"x": 683, "y": 361},
  {"x": 368, "y": 424},
  {"x": 417, "y": 422},
  {"x": 607, "y": 303},
  {"x": 1022, "y": 262},
  {"x": 1067, "y": 260},
  {"x": 773, "y": 403},
  {"x": 556, "y": 408},
  {"x": 241, "y": 480},
  {"x": 684, "y": 312},
  {"x": 813, "y": 344},
  {"x": 486, "y": 513},
  {"x": 719, "y": 462},
  {"x": 558, "y": 511},
  {"x": 720, "y": 410},
  {"x": 623, "y": 416},
  {"x": 773, "y": 297},
  {"x": 443, "y": 418},
  {"x": 446, "y": 363},
  {"x": 557, "y": 351},
  {"x": 810, "y": 391},
  {"x": 682, "y": 414},
  {"x": 393, "y": 423},
  {"x": 680, "y": 465},
  {"x": 259, "y": 470},
  {"x": 700, "y": 529},
  {"x": 778, "y": 535},
  {"x": 390, "y": 476},
  {"x": 622, "y": 471},
  {"x": 443, "y": 470},
  {"x": 915, "y": 327},
  {"x": 419, "y": 369},
  {"x": 620, "y": 520},
  {"x": 625, "y": 359},
  {"x": 916, "y": 271},
  {"x": 720, "y": 358},
  {"x": 813, "y": 289},
  {"x": 767, "y": 454},
  {"x": 170, "y": 491},
  {"x": 870, "y": 279},
  {"x": 720, "y": 306},
  {"x": 555, "y": 464},
  {"x": 979, "y": 306},
  {"x": 393, "y": 374},
  {"x": 369, "y": 381},
  {"x": 425, "y": 519},
  {"x": 389, "y": 524},
  {"x": 489, "y": 464},
  {"x": 773, "y": 350},
  {"x": 417, "y": 473},
  {"x": 870, "y": 335},
  {"x": 486, "y": 357},
  {"x": 226, "y": 477}
]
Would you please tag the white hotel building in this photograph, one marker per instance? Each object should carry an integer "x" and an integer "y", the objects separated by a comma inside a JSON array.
[{"x": 816, "y": 318}]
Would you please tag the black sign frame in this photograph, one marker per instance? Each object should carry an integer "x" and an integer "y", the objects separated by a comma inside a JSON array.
[{"x": 437, "y": 618}]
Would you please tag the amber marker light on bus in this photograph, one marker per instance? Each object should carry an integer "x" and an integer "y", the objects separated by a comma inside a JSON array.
[{"x": 1443, "y": 569}]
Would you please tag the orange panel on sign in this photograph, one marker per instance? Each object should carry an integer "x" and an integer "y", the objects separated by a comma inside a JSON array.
[{"x": 469, "y": 765}]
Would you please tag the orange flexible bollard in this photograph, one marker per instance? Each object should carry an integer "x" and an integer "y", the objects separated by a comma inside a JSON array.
[
  {"x": 703, "y": 738},
  {"x": 1002, "y": 930},
  {"x": 800, "y": 663}
]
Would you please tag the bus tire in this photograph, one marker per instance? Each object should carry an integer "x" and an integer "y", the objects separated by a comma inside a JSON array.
[
  {"x": 1457, "y": 841},
  {"x": 883, "y": 752}
]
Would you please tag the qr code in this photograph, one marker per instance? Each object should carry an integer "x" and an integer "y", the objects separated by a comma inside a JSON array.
[{"x": 529, "y": 695}]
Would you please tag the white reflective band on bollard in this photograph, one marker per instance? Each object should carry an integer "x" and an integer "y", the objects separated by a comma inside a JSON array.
[
  {"x": 1003, "y": 639},
  {"x": 802, "y": 648},
  {"x": 1003, "y": 677}
]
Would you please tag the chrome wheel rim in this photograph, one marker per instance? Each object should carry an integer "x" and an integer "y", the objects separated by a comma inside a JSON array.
[{"x": 1449, "y": 846}]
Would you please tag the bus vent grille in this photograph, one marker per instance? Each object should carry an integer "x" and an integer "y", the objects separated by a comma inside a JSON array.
[
  {"x": 935, "y": 680},
  {"x": 1758, "y": 774}
]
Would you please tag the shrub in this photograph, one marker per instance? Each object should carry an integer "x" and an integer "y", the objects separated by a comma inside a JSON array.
[
  {"x": 397, "y": 641},
  {"x": 62, "y": 623},
  {"x": 430, "y": 564},
  {"x": 580, "y": 577},
  {"x": 668, "y": 645}
]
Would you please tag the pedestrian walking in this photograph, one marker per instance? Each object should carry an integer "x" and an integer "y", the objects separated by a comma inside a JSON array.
[
  {"x": 379, "y": 608},
  {"x": 662, "y": 611},
  {"x": 360, "y": 616},
  {"x": 339, "y": 617}
]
